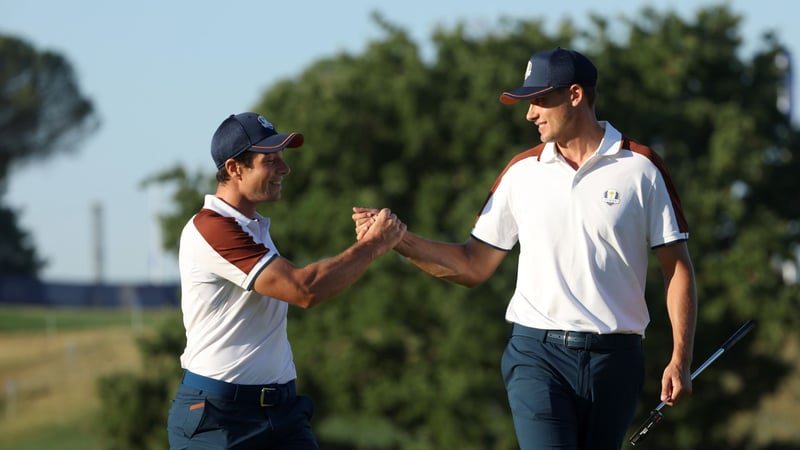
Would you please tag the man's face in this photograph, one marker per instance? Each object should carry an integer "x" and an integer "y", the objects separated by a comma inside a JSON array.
[
  {"x": 552, "y": 113},
  {"x": 262, "y": 182}
]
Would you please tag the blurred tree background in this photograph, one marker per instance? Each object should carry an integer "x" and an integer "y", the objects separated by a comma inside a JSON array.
[
  {"x": 42, "y": 113},
  {"x": 405, "y": 361}
]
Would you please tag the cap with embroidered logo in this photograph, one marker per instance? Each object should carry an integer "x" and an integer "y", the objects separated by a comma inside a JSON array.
[
  {"x": 248, "y": 132},
  {"x": 551, "y": 69}
]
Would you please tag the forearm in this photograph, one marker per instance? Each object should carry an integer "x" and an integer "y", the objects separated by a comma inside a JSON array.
[
  {"x": 327, "y": 278},
  {"x": 446, "y": 261},
  {"x": 682, "y": 310},
  {"x": 320, "y": 281}
]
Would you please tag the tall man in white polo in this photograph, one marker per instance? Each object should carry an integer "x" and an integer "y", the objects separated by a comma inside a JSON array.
[{"x": 586, "y": 206}]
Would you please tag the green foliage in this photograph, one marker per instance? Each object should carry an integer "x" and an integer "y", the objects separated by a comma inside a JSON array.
[
  {"x": 42, "y": 110},
  {"x": 187, "y": 196},
  {"x": 143, "y": 429},
  {"x": 18, "y": 256},
  {"x": 42, "y": 113},
  {"x": 406, "y": 361}
]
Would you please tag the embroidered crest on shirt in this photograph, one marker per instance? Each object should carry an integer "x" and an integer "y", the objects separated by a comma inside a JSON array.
[{"x": 611, "y": 197}]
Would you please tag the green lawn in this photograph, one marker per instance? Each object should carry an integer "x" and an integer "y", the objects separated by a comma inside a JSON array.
[
  {"x": 15, "y": 319},
  {"x": 35, "y": 344},
  {"x": 76, "y": 436}
]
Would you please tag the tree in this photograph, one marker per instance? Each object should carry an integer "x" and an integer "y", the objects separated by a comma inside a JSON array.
[
  {"x": 17, "y": 253},
  {"x": 42, "y": 113},
  {"x": 405, "y": 361}
]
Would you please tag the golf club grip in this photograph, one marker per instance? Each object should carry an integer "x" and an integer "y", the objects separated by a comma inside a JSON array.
[
  {"x": 641, "y": 433},
  {"x": 744, "y": 329}
]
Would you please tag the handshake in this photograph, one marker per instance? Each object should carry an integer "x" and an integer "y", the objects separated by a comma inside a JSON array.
[{"x": 381, "y": 226}]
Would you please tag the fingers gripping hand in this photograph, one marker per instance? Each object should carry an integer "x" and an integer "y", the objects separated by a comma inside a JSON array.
[
  {"x": 363, "y": 218},
  {"x": 385, "y": 228}
]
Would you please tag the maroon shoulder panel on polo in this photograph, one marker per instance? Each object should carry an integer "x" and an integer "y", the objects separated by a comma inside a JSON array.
[
  {"x": 227, "y": 238},
  {"x": 648, "y": 153},
  {"x": 534, "y": 152}
]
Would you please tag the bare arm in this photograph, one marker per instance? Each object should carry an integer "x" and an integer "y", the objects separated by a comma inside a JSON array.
[
  {"x": 679, "y": 280},
  {"x": 469, "y": 263},
  {"x": 317, "y": 282}
]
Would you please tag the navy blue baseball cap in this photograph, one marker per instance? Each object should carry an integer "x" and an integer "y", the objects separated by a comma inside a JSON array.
[
  {"x": 550, "y": 70},
  {"x": 248, "y": 131}
]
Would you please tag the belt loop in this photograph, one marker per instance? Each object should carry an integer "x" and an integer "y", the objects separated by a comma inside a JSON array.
[{"x": 566, "y": 338}]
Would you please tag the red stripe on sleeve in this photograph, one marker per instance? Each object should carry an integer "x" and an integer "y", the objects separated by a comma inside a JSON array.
[
  {"x": 531, "y": 152},
  {"x": 659, "y": 163}
]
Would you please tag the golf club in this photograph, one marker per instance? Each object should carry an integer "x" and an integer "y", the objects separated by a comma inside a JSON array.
[{"x": 656, "y": 415}]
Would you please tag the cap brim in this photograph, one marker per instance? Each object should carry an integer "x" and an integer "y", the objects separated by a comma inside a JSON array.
[
  {"x": 525, "y": 93},
  {"x": 277, "y": 142}
]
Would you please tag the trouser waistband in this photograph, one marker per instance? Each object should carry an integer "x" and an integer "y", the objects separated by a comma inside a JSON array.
[
  {"x": 264, "y": 395},
  {"x": 578, "y": 339}
]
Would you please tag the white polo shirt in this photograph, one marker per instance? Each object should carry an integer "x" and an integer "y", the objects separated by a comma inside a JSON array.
[
  {"x": 584, "y": 234},
  {"x": 233, "y": 333}
]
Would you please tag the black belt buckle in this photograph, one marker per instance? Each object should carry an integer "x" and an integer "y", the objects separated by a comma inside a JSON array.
[
  {"x": 265, "y": 391},
  {"x": 578, "y": 340}
]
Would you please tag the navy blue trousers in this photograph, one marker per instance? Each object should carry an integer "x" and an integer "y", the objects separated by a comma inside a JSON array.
[
  {"x": 199, "y": 420},
  {"x": 572, "y": 397}
]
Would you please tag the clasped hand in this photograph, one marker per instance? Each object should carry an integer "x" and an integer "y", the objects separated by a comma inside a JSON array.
[{"x": 371, "y": 223}]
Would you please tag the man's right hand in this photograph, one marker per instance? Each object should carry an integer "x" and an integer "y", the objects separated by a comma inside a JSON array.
[
  {"x": 382, "y": 226},
  {"x": 363, "y": 218}
]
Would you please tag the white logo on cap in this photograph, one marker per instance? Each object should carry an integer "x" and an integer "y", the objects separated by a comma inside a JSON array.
[
  {"x": 265, "y": 123},
  {"x": 528, "y": 70}
]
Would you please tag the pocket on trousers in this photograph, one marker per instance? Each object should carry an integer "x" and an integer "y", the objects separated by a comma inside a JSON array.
[{"x": 186, "y": 415}]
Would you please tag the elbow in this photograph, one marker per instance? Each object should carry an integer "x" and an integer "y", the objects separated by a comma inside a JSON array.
[
  {"x": 464, "y": 280},
  {"x": 471, "y": 283},
  {"x": 308, "y": 300}
]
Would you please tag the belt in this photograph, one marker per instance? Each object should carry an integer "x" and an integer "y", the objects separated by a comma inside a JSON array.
[
  {"x": 579, "y": 340},
  {"x": 261, "y": 394}
]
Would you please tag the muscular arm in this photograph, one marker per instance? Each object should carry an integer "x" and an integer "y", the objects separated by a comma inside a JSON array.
[
  {"x": 468, "y": 264},
  {"x": 317, "y": 282},
  {"x": 679, "y": 280}
]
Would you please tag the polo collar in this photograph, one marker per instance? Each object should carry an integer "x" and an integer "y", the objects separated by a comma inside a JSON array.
[
  {"x": 609, "y": 146},
  {"x": 215, "y": 203}
]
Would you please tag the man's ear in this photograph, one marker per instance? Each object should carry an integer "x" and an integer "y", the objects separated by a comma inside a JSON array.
[
  {"x": 576, "y": 94},
  {"x": 233, "y": 168}
]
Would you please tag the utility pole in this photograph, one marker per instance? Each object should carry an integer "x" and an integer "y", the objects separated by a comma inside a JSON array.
[{"x": 98, "y": 252}]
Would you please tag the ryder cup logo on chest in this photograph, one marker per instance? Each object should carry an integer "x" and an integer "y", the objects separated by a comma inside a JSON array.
[{"x": 610, "y": 197}]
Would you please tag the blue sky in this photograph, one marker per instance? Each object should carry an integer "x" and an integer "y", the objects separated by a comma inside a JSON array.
[{"x": 163, "y": 75}]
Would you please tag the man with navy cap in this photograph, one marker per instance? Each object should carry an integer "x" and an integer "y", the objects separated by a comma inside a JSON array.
[
  {"x": 238, "y": 387},
  {"x": 586, "y": 206}
]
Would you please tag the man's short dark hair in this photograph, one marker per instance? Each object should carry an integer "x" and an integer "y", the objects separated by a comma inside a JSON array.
[{"x": 245, "y": 158}]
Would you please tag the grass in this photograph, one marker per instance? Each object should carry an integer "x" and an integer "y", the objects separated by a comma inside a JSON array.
[
  {"x": 69, "y": 436},
  {"x": 50, "y": 361},
  {"x": 22, "y": 319}
]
